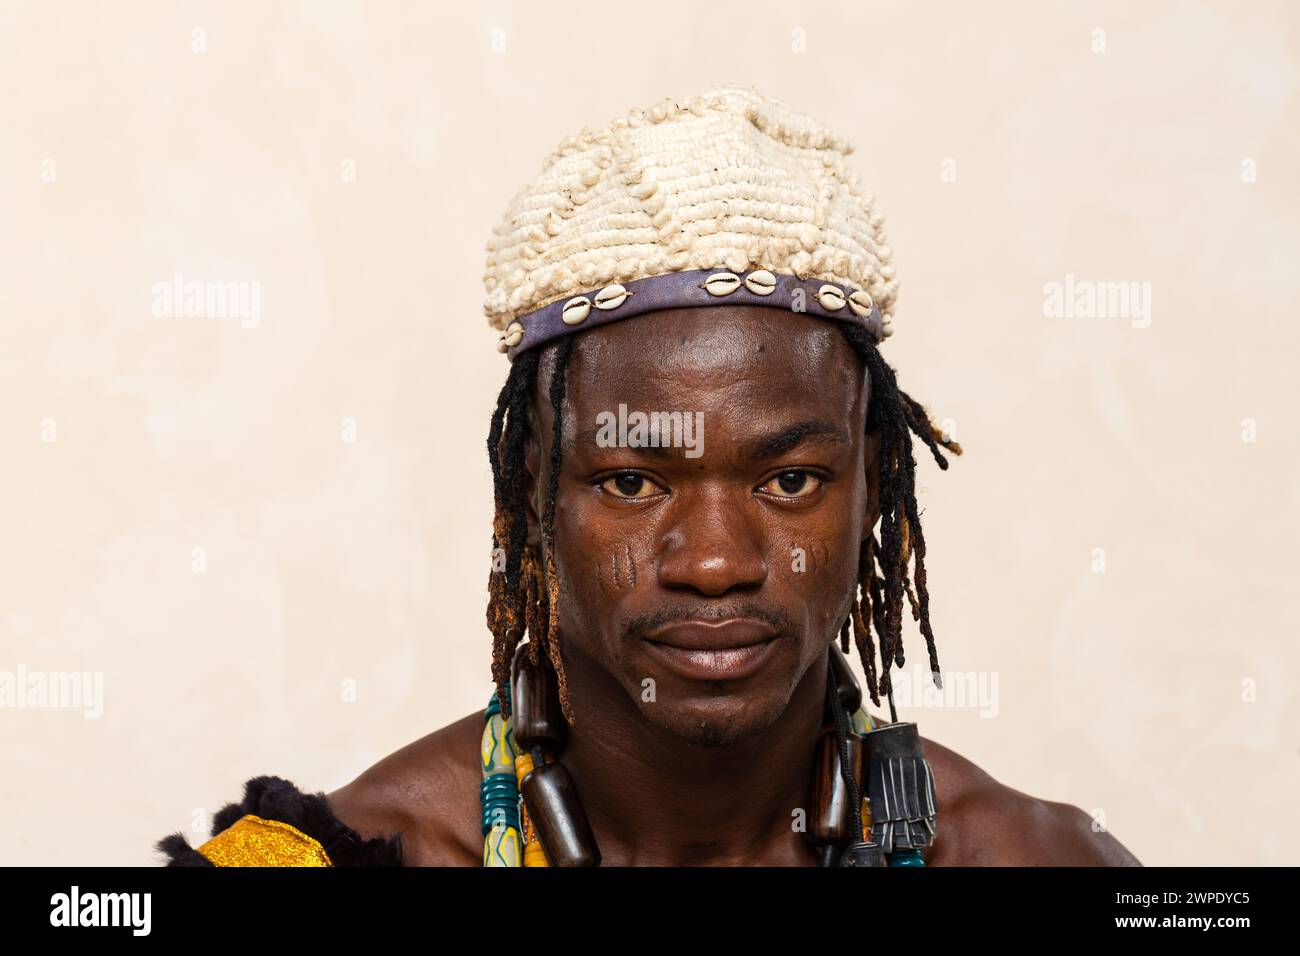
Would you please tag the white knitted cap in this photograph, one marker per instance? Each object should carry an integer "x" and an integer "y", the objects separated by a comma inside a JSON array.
[{"x": 728, "y": 179}]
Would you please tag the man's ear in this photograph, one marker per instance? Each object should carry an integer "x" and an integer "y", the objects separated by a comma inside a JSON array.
[
  {"x": 532, "y": 458},
  {"x": 871, "y": 464}
]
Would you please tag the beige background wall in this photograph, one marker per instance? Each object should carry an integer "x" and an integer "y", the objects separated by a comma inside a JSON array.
[{"x": 335, "y": 610}]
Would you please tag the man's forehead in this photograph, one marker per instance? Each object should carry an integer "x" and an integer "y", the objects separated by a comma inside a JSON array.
[
  {"x": 699, "y": 348},
  {"x": 755, "y": 438},
  {"x": 755, "y": 372}
]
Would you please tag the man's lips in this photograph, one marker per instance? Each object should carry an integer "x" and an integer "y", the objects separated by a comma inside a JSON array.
[
  {"x": 713, "y": 650},
  {"x": 712, "y": 635}
]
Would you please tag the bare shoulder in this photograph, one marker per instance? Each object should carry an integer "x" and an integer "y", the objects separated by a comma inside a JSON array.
[
  {"x": 982, "y": 822},
  {"x": 428, "y": 791}
]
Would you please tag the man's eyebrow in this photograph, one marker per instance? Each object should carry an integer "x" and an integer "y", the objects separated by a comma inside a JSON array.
[
  {"x": 791, "y": 437},
  {"x": 659, "y": 451},
  {"x": 764, "y": 446}
]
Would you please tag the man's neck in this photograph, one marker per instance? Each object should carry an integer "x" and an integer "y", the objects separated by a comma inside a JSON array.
[{"x": 656, "y": 799}]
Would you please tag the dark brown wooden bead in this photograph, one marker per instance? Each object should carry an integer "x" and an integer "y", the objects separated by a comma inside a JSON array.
[
  {"x": 557, "y": 815},
  {"x": 846, "y": 683},
  {"x": 535, "y": 710},
  {"x": 831, "y": 813}
]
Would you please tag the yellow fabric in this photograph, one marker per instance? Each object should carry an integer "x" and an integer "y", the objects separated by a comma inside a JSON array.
[
  {"x": 252, "y": 841},
  {"x": 534, "y": 855}
]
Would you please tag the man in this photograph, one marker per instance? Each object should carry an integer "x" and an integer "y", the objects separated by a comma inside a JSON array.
[{"x": 695, "y": 444}]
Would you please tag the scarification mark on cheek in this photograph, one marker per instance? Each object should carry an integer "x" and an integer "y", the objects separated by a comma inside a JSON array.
[
  {"x": 812, "y": 557},
  {"x": 607, "y": 575},
  {"x": 798, "y": 562},
  {"x": 618, "y": 571}
]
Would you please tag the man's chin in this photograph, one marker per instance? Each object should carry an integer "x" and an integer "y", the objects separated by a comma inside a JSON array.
[{"x": 714, "y": 725}]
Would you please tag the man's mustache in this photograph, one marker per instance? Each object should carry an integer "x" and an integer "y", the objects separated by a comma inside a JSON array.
[{"x": 775, "y": 617}]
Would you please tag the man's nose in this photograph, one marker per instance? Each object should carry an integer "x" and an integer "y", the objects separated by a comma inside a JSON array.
[{"x": 713, "y": 546}]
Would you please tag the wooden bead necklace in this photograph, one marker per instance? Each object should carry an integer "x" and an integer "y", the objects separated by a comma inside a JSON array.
[{"x": 532, "y": 815}]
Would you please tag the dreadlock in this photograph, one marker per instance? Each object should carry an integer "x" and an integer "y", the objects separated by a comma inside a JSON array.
[
  {"x": 897, "y": 416},
  {"x": 523, "y": 588},
  {"x": 529, "y": 606}
]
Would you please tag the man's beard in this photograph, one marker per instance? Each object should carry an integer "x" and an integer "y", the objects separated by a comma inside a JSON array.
[{"x": 711, "y": 735}]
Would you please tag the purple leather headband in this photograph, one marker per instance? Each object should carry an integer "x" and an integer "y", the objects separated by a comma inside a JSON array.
[{"x": 698, "y": 287}]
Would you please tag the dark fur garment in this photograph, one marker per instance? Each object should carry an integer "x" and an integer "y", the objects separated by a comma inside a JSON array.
[{"x": 274, "y": 798}]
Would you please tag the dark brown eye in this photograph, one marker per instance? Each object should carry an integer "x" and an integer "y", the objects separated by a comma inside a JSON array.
[
  {"x": 793, "y": 484},
  {"x": 629, "y": 484}
]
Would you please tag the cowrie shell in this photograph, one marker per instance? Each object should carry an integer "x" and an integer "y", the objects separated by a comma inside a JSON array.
[
  {"x": 514, "y": 338},
  {"x": 760, "y": 282},
  {"x": 611, "y": 297},
  {"x": 576, "y": 310},
  {"x": 722, "y": 283},
  {"x": 501, "y": 344},
  {"x": 514, "y": 327},
  {"x": 860, "y": 303},
  {"x": 830, "y": 298}
]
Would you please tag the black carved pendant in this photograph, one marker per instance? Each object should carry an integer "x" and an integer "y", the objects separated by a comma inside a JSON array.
[{"x": 900, "y": 786}]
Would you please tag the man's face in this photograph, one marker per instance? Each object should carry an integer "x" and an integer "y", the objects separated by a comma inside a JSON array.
[{"x": 720, "y": 570}]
